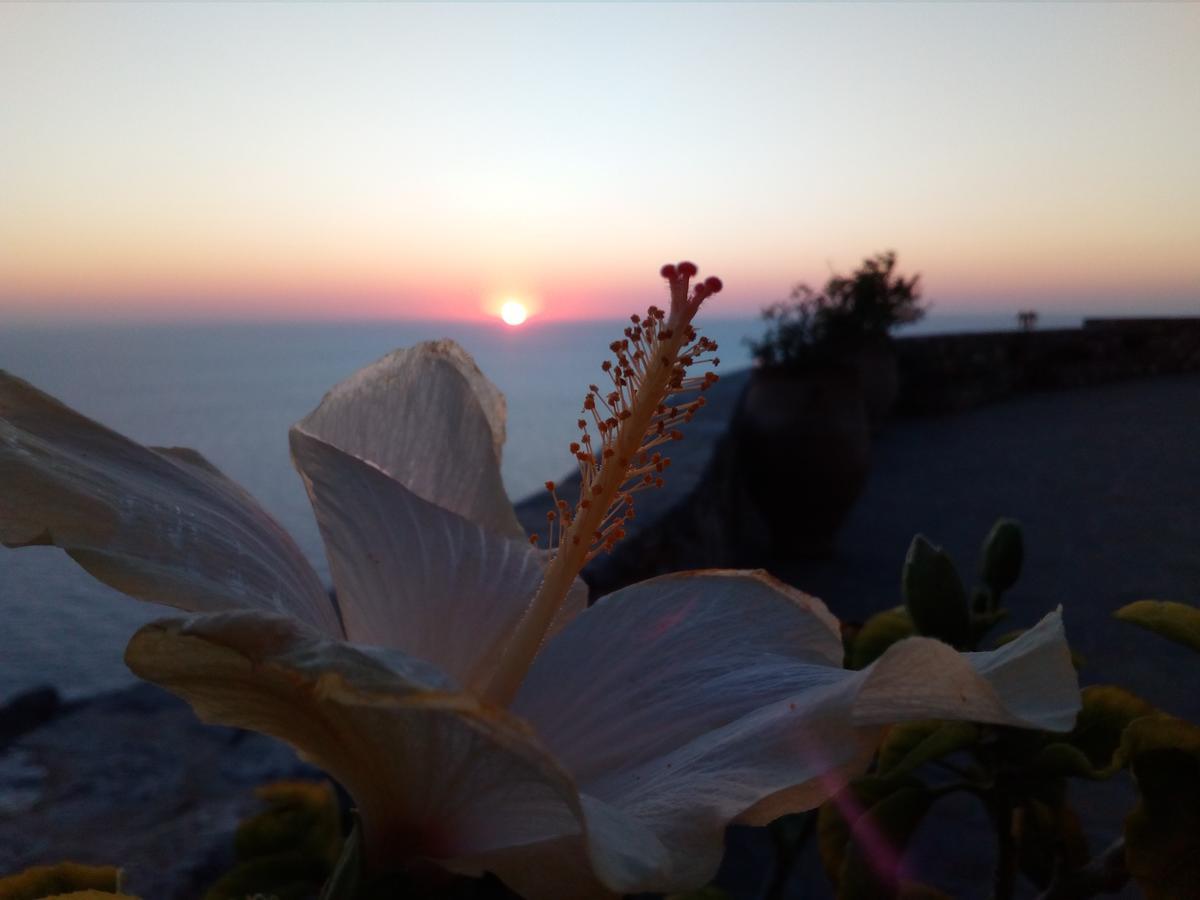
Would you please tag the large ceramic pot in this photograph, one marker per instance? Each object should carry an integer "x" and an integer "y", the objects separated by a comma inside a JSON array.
[{"x": 804, "y": 443}]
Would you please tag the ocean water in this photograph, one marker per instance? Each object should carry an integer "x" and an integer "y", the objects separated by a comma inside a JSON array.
[{"x": 231, "y": 391}]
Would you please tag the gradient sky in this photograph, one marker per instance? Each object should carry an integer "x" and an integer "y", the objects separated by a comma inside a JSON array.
[{"x": 426, "y": 161}]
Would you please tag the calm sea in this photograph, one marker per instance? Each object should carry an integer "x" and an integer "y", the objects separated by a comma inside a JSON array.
[{"x": 231, "y": 391}]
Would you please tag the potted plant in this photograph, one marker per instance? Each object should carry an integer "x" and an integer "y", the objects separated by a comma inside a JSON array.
[{"x": 826, "y": 378}]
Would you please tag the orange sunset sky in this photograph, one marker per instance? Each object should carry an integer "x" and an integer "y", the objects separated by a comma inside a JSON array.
[{"x": 423, "y": 161}]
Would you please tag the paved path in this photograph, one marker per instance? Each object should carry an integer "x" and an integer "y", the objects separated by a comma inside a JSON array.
[{"x": 1105, "y": 481}]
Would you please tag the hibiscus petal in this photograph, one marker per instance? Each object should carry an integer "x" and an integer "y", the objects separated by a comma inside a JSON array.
[
  {"x": 415, "y": 576},
  {"x": 1029, "y": 682},
  {"x": 653, "y": 665},
  {"x": 726, "y": 691},
  {"x": 159, "y": 525},
  {"x": 434, "y": 773},
  {"x": 430, "y": 419}
]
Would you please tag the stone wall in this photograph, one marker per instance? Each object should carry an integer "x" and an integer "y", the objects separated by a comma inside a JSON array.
[
  {"x": 952, "y": 372},
  {"x": 707, "y": 517}
]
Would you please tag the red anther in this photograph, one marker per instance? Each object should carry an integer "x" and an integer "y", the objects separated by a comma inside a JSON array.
[
  {"x": 597, "y": 490},
  {"x": 550, "y": 486},
  {"x": 658, "y": 482},
  {"x": 677, "y": 435},
  {"x": 699, "y": 293},
  {"x": 609, "y": 452},
  {"x": 585, "y": 503},
  {"x": 581, "y": 424},
  {"x": 533, "y": 539},
  {"x": 574, "y": 447},
  {"x": 589, "y": 402},
  {"x": 551, "y": 515},
  {"x": 593, "y": 389},
  {"x": 712, "y": 284},
  {"x": 688, "y": 269},
  {"x": 635, "y": 318},
  {"x": 606, "y": 365},
  {"x": 668, "y": 272},
  {"x": 716, "y": 360}
]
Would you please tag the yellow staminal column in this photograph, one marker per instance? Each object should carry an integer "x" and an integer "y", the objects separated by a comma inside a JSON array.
[{"x": 644, "y": 382}]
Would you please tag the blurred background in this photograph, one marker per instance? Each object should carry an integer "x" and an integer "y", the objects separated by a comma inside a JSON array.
[{"x": 209, "y": 215}]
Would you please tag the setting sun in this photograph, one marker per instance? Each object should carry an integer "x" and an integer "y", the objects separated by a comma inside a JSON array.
[{"x": 513, "y": 312}]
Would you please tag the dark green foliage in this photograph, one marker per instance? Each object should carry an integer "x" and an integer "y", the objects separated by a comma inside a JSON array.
[
  {"x": 849, "y": 313},
  {"x": 288, "y": 849},
  {"x": 880, "y": 632},
  {"x": 912, "y": 744},
  {"x": 1003, "y": 553},
  {"x": 1047, "y": 837},
  {"x": 862, "y": 834},
  {"x": 1162, "y": 833},
  {"x": 62, "y": 878},
  {"x": 934, "y": 594},
  {"x": 1175, "y": 621}
]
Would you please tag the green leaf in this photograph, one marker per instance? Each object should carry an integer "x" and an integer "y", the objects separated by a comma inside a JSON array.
[
  {"x": 1106, "y": 711},
  {"x": 982, "y": 623},
  {"x": 913, "y": 744},
  {"x": 835, "y": 816},
  {"x": 1159, "y": 731},
  {"x": 1003, "y": 553},
  {"x": 982, "y": 600},
  {"x": 347, "y": 871},
  {"x": 879, "y": 837},
  {"x": 290, "y": 875},
  {"x": 934, "y": 594},
  {"x": 300, "y": 816},
  {"x": 288, "y": 849},
  {"x": 63, "y": 878},
  {"x": 1090, "y": 750},
  {"x": 1178, "y": 622},
  {"x": 863, "y": 830},
  {"x": 1049, "y": 839},
  {"x": 1162, "y": 834},
  {"x": 880, "y": 632}
]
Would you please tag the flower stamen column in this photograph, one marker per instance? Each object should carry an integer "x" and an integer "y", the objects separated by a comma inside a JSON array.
[{"x": 649, "y": 369}]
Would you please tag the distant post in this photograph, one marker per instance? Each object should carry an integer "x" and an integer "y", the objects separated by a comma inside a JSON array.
[{"x": 1027, "y": 319}]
